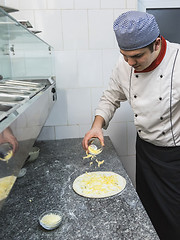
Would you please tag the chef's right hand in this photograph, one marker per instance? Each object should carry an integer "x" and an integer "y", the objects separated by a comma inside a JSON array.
[{"x": 94, "y": 132}]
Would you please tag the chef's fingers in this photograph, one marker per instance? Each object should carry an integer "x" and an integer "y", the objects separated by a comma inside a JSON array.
[
  {"x": 93, "y": 133},
  {"x": 85, "y": 141},
  {"x": 14, "y": 144},
  {"x": 101, "y": 139}
]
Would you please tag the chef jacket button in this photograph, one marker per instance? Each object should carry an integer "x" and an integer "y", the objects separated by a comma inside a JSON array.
[
  {"x": 137, "y": 76},
  {"x": 160, "y": 98},
  {"x": 135, "y": 96},
  {"x": 163, "y": 133},
  {"x": 136, "y": 115},
  {"x": 161, "y": 76},
  {"x": 161, "y": 118}
]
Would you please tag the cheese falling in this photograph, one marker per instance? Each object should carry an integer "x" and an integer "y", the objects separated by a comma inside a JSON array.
[
  {"x": 89, "y": 156},
  {"x": 99, "y": 162}
]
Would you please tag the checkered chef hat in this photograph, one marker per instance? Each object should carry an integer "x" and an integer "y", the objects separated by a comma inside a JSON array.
[{"x": 135, "y": 30}]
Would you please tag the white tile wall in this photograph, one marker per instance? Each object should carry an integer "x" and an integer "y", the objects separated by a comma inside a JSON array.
[
  {"x": 90, "y": 68},
  {"x": 33, "y": 4},
  {"x": 66, "y": 69},
  {"x": 113, "y": 4},
  {"x": 67, "y": 131},
  {"x": 79, "y": 106},
  {"x": 49, "y": 22},
  {"x": 85, "y": 53},
  {"x": 60, "y": 4},
  {"x": 86, "y": 4},
  {"x": 10, "y": 3},
  {"x": 131, "y": 4},
  {"x": 83, "y": 129},
  {"x": 75, "y": 29},
  {"x": 109, "y": 59},
  {"x": 100, "y": 37},
  {"x": 96, "y": 93},
  {"x": 118, "y": 134},
  {"x": 47, "y": 133}
]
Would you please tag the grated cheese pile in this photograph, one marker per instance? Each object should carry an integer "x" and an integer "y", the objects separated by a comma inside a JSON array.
[{"x": 50, "y": 220}]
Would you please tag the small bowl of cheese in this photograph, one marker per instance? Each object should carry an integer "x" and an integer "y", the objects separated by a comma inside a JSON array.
[{"x": 50, "y": 219}]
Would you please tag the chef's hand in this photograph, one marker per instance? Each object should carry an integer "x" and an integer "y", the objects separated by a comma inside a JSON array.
[
  {"x": 8, "y": 136},
  {"x": 95, "y": 131}
]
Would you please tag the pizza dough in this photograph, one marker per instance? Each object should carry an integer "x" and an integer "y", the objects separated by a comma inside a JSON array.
[
  {"x": 99, "y": 184},
  {"x": 6, "y": 184}
]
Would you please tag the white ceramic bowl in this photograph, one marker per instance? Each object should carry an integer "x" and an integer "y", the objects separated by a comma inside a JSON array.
[
  {"x": 33, "y": 154},
  {"x": 50, "y": 219}
]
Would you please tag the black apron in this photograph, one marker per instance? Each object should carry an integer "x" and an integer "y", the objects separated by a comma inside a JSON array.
[{"x": 158, "y": 186}]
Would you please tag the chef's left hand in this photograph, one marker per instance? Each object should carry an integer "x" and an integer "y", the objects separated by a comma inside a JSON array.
[{"x": 8, "y": 136}]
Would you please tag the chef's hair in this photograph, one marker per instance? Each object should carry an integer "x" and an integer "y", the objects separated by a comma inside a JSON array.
[{"x": 150, "y": 46}]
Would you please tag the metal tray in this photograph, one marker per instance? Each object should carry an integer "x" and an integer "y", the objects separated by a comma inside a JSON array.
[{"x": 9, "y": 98}]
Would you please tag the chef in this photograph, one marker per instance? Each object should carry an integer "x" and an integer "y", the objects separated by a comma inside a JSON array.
[{"x": 147, "y": 75}]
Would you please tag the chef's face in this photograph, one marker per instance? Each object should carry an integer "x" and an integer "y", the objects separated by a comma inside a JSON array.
[{"x": 141, "y": 58}]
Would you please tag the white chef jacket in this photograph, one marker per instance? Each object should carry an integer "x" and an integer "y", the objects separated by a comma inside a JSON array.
[{"x": 154, "y": 97}]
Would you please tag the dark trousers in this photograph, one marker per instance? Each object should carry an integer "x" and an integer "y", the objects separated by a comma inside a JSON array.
[{"x": 158, "y": 186}]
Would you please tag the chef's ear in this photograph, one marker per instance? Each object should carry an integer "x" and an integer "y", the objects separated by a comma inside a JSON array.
[{"x": 157, "y": 43}]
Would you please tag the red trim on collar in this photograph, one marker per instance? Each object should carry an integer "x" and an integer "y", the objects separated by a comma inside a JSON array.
[{"x": 158, "y": 60}]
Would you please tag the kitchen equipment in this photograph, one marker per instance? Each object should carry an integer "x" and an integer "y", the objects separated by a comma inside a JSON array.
[
  {"x": 33, "y": 154},
  {"x": 27, "y": 89}
]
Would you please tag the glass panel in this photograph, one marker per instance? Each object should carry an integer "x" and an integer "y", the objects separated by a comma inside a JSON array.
[{"x": 23, "y": 55}]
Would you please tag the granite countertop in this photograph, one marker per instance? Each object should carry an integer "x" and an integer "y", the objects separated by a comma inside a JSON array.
[{"x": 48, "y": 185}]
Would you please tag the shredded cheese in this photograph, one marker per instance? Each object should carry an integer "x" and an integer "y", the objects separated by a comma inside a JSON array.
[
  {"x": 99, "y": 184},
  {"x": 89, "y": 156},
  {"x": 99, "y": 162},
  {"x": 7, "y": 156},
  {"x": 93, "y": 157},
  {"x": 6, "y": 184},
  {"x": 50, "y": 220},
  {"x": 94, "y": 150}
]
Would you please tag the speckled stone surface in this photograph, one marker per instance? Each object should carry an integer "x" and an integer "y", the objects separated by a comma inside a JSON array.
[{"x": 48, "y": 185}]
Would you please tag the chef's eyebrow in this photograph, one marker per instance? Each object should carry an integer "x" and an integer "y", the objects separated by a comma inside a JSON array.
[{"x": 133, "y": 56}]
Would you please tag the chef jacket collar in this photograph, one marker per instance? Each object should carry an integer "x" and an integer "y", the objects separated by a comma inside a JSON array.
[{"x": 158, "y": 60}]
